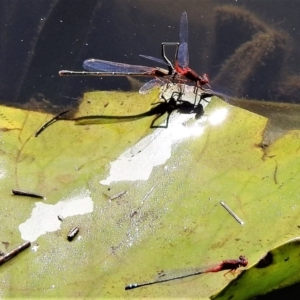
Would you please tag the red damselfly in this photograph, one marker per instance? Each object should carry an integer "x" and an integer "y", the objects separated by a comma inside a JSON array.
[
  {"x": 228, "y": 264},
  {"x": 101, "y": 68},
  {"x": 182, "y": 69}
]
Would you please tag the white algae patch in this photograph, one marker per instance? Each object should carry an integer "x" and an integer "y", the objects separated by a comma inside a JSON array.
[
  {"x": 44, "y": 217},
  {"x": 137, "y": 162}
]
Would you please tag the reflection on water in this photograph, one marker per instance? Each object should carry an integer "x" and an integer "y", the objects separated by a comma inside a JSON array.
[{"x": 248, "y": 48}]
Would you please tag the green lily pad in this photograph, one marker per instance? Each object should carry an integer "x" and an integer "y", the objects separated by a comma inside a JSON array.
[
  {"x": 277, "y": 269},
  {"x": 170, "y": 216}
]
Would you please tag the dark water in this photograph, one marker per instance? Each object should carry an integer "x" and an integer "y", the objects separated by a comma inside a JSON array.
[{"x": 249, "y": 49}]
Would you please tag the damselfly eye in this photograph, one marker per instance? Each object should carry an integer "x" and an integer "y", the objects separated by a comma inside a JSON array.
[{"x": 204, "y": 79}]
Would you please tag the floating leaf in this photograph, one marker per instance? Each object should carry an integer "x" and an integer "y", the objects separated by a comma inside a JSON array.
[
  {"x": 170, "y": 216},
  {"x": 277, "y": 269}
]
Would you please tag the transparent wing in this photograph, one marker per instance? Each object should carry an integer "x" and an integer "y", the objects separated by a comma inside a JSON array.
[
  {"x": 183, "y": 53},
  {"x": 183, "y": 30},
  {"x": 178, "y": 274},
  {"x": 148, "y": 86},
  {"x": 160, "y": 61},
  {"x": 95, "y": 65}
]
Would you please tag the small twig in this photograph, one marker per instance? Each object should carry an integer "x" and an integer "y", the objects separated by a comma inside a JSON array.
[
  {"x": 275, "y": 172},
  {"x": 27, "y": 194},
  {"x": 231, "y": 212},
  {"x": 14, "y": 252},
  {"x": 149, "y": 192},
  {"x": 72, "y": 233},
  {"x": 117, "y": 196}
]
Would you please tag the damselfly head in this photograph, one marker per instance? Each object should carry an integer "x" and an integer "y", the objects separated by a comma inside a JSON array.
[
  {"x": 243, "y": 261},
  {"x": 203, "y": 79}
]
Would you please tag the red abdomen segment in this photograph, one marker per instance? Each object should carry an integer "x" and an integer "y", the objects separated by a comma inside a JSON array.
[
  {"x": 191, "y": 75},
  {"x": 233, "y": 264},
  {"x": 229, "y": 264}
]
